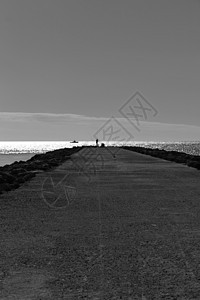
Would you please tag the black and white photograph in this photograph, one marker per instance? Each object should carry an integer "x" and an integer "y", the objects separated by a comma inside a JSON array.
[{"x": 99, "y": 149}]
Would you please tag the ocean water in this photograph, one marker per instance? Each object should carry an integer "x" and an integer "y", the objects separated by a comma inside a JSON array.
[
  {"x": 186, "y": 147},
  {"x": 16, "y": 151}
]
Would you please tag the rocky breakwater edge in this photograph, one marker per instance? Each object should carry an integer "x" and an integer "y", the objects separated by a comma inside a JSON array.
[
  {"x": 14, "y": 175},
  {"x": 175, "y": 156}
]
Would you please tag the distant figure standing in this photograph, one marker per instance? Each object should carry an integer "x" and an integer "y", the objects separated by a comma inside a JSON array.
[{"x": 97, "y": 142}]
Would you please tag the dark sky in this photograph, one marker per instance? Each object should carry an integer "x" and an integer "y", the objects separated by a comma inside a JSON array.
[{"x": 75, "y": 63}]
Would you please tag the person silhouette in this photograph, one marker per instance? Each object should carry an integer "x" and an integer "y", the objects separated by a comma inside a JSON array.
[{"x": 97, "y": 142}]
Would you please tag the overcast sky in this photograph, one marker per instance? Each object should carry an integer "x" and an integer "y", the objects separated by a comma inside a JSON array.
[{"x": 67, "y": 66}]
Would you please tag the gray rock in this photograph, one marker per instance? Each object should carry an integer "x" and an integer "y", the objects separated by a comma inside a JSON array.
[{"x": 7, "y": 177}]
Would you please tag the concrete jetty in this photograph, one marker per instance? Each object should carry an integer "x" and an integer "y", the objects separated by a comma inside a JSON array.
[{"x": 103, "y": 225}]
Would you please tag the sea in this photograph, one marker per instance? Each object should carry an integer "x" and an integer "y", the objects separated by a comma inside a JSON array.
[{"x": 22, "y": 151}]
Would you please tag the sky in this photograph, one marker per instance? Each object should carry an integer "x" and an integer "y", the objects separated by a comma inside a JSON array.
[{"x": 68, "y": 70}]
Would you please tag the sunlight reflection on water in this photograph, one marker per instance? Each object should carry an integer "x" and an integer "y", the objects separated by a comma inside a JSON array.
[{"x": 16, "y": 151}]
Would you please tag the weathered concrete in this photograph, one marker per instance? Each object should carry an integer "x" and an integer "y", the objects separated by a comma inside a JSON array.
[{"x": 120, "y": 228}]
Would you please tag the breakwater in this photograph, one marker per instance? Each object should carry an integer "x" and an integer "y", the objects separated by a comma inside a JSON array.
[
  {"x": 175, "y": 156},
  {"x": 15, "y": 174}
]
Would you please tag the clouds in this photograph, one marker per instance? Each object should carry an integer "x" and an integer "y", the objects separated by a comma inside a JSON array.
[
  {"x": 45, "y": 117},
  {"x": 49, "y": 126},
  {"x": 46, "y": 126}
]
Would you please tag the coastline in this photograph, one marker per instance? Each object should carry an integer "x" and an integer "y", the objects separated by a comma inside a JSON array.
[
  {"x": 8, "y": 159},
  {"x": 14, "y": 174},
  {"x": 174, "y": 156}
]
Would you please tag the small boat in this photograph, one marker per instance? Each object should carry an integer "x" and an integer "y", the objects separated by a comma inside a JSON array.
[{"x": 74, "y": 142}]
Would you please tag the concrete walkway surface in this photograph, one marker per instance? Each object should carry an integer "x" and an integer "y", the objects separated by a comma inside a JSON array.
[{"x": 103, "y": 227}]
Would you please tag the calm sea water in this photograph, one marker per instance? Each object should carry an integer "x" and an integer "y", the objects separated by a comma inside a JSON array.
[{"x": 16, "y": 151}]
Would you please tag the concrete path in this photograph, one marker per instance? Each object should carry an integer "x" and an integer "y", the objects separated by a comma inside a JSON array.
[{"x": 100, "y": 227}]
